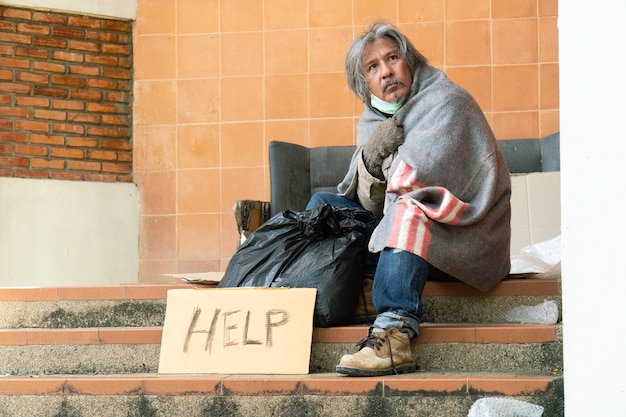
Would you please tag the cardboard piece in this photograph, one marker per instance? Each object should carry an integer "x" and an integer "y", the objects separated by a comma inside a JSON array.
[
  {"x": 199, "y": 277},
  {"x": 237, "y": 331}
]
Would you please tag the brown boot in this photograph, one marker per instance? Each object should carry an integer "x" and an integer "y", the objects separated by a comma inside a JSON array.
[{"x": 383, "y": 352}]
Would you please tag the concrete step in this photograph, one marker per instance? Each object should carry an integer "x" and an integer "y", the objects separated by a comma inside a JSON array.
[
  {"x": 531, "y": 349},
  {"x": 144, "y": 305},
  {"x": 419, "y": 394}
]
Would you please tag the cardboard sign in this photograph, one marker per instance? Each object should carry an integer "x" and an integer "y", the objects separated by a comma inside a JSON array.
[{"x": 237, "y": 331}]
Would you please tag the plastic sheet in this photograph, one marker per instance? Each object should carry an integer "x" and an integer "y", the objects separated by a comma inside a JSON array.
[
  {"x": 537, "y": 258},
  {"x": 544, "y": 313},
  {"x": 504, "y": 407}
]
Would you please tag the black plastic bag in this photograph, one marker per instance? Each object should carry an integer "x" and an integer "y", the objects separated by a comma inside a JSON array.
[{"x": 323, "y": 248}]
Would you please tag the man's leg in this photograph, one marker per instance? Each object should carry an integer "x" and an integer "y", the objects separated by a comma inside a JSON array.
[
  {"x": 335, "y": 200},
  {"x": 398, "y": 285}
]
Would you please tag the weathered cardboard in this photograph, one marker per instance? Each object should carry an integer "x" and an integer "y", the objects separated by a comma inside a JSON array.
[{"x": 237, "y": 331}]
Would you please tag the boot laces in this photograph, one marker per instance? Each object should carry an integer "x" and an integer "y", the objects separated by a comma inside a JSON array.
[{"x": 375, "y": 341}]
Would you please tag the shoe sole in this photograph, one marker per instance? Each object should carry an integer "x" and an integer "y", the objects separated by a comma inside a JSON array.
[{"x": 351, "y": 371}]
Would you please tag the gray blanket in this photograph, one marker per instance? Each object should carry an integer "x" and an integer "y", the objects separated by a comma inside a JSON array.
[{"x": 448, "y": 192}]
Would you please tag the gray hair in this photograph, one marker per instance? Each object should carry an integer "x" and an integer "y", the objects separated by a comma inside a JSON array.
[{"x": 354, "y": 70}]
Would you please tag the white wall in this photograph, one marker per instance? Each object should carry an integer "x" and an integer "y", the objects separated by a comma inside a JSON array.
[
  {"x": 123, "y": 9},
  {"x": 68, "y": 233},
  {"x": 593, "y": 197}
]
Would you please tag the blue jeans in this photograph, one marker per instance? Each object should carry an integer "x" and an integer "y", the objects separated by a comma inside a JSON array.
[{"x": 399, "y": 279}]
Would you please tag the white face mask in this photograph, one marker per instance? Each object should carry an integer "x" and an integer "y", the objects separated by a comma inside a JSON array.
[{"x": 385, "y": 106}]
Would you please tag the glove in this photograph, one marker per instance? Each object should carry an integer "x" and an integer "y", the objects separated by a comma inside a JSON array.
[{"x": 385, "y": 139}]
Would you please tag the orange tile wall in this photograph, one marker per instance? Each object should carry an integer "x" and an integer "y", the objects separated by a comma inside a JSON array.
[{"x": 217, "y": 80}]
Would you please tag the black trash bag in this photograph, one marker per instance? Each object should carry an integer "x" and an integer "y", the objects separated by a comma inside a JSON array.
[{"x": 323, "y": 248}]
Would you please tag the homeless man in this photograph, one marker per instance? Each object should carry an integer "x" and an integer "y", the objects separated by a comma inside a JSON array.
[{"x": 428, "y": 166}]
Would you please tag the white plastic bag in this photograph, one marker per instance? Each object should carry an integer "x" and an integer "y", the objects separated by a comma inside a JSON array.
[
  {"x": 504, "y": 407},
  {"x": 544, "y": 313},
  {"x": 537, "y": 258}
]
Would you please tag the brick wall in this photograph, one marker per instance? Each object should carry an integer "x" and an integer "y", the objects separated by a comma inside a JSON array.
[{"x": 65, "y": 96}]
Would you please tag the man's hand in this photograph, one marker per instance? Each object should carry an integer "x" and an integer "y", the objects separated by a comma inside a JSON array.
[{"x": 386, "y": 137}]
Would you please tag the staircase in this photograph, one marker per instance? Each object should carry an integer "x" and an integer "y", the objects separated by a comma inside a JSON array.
[{"x": 94, "y": 351}]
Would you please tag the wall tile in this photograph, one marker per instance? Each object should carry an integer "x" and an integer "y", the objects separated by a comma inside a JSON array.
[
  {"x": 198, "y": 191},
  {"x": 155, "y": 17},
  {"x": 242, "y": 145},
  {"x": 198, "y": 56},
  {"x": 549, "y": 122},
  {"x": 326, "y": 13},
  {"x": 548, "y": 40},
  {"x": 155, "y": 57},
  {"x": 286, "y": 52},
  {"x": 154, "y": 147},
  {"x": 476, "y": 80},
  {"x": 241, "y": 15},
  {"x": 242, "y": 54},
  {"x": 154, "y": 102},
  {"x": 467, "y": 43},
  {"x": 549, "y": 84},
  {"x": 548, "y": 7},
  {"x": 513, "y": 8},
  {"x": 242, "y": 98},
  {"x": 515, "y": 41},
  {"x": 198, "y": 101},
  {"x": 286, "y": 14},
  {"x": 197, "y": 16},
  {"x": 515, "y": 87},
  {"x": 428, "y": 40},
  {"x": 412, "y": 11},
  {"x": 157, "y": 237},
  {"x": 462, "y": 10},
  {"x": 198, "y": 146},
  {"x": 292, "y": 131},
  {"x": 368, "y": 11},
  {"x": 328, "y": 48},
  {"x": 242, "y": 184},
  {"x": 516, "y": 125},
  {"x": 331, "y": 132},
  {"x": 198, "y": 236},
  {"x": 157, "y": 191},
  {"x": 286, "y": 96},
  {"x": 330, "y": 96},
  {"x": 153, "y": 270}
]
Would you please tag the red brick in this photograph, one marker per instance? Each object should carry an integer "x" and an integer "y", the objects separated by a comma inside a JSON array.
[
  {"x": 50, "y": 115},
  {"x": 103, "y": 108},
  {"x": 50, "y": 42},
  {"x": 12, "y": 161},
  {"x": 15, "y": 88},
  {"x": 68, "y": 128},
  {"x": 117, "y": 96},
  {"x": 47, "y": 139},
  {"x": 50, "y": 91},
  {"x": 124, "y": 63},
  {"x": 83, "y": 166},
  {"x": 6, "y": 124},
  {"x": 32, "y": 101},
  {"x": 47, "y": 163},
  {"x": 65, "y": 32},
  {"x": 85, "y": 22},
  {"x": 115, "y": 120},
  {"x": 124, "y": 156},
  {"x": 32, "y": 52},
  {"x": 14, "y": 136},
  {"x": 31, "y": 126},
  {"x": 118, "y": 168},
  {"x": 30, "y": 173},
  {"x": 102, "y": 155},
  {"x": 86, "y": 95},
  {"x": 49, "y": 67},
  {"x": 6, "y": 99},
  {"x": 116, "y": 73},
  {"x": 6, "y": 26},
  {"x": 111, "y": 132},
  {"x": 92, "y": 118},
  {"x": 15, "y": 38},
  {"x": 6, "y": 149},
  {"x": 14, "y": 112},
  {"x": 85, "y": 46},
  {"x": 6, "y": 75},
  {"x": 70, "y": 176},
  {"x": 17, "y": 13},
  {"x": 6, "y": 49},
  {"x": 15, "y": 63},
  {"x": 67, "y": 80},
  {"x": 68, "y": 56},
  {"x": 83, "y": 70},
  {"x": 32, "y": 77},
  {"x": 50, "y": 18},
  {"x": 31, "y": 150},
  {"x": 116, "y": 25},
  {"x": 67, "y": 153},
  {"x": 120, "y": 145},
  {"x": 33, "y": 28},
  {"x": 100, "y": 83},
  {"x": 115, "y": 49},
  {"x": 79, "y": 142},
  {"x": 68, "y": 105},
  {"x": 101, "y": 60}
]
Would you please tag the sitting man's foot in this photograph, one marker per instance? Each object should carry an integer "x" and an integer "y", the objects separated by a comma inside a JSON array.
[{"x": 383, "y": 352}]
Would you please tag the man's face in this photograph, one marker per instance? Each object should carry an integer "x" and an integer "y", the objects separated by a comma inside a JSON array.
[{"x": 387, "y": 74}]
